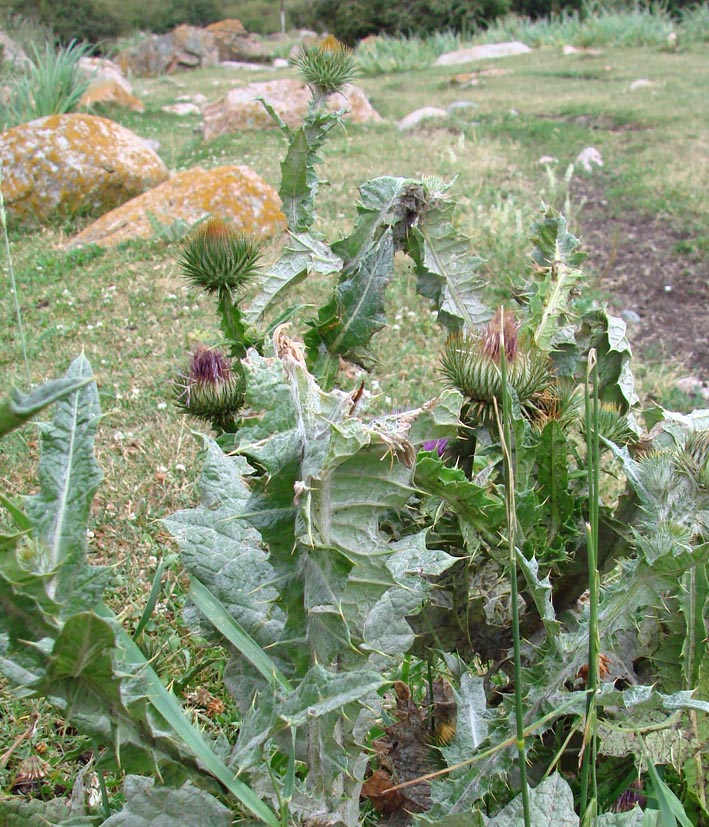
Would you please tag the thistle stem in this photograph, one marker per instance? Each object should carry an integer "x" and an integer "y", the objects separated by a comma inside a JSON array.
[
  {"x": 511, "y": 512},
  {"x": 589, "y": 749}
]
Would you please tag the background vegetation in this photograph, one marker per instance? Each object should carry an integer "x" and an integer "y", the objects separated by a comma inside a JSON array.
[{"x": 96, "y": 20}]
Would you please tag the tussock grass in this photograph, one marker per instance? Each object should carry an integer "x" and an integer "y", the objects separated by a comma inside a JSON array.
[
  {"x": 51, "y": 84},
  {"x": 596, "y": 25},
  {"x": 600, "y": 25}
]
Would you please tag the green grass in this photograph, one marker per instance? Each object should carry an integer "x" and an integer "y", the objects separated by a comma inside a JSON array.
[{"x": 132, "y": 313}]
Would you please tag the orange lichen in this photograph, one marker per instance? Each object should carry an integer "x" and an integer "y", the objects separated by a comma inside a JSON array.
[
  {"x": 235, "y": 194},
  {"x": 75, "y": 163},
  {"x": 230, "y": 26},
  {"x": 111, "y": 91}
]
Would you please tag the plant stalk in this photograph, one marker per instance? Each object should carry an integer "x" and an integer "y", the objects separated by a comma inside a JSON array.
[
  {"x": 511, "y": 512},
  {"x": 589, "y": 750}
]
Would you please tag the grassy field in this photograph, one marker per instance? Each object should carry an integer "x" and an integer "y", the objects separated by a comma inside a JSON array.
[{"x": 131, "y": 313}]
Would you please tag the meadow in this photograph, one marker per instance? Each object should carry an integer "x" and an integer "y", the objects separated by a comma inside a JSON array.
[{"x": 133, "y": 315}]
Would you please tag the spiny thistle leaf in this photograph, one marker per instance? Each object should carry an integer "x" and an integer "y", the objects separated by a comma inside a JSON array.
[
  {"x": 557, "y": 275},
  {"x": 445, "y": 266}
]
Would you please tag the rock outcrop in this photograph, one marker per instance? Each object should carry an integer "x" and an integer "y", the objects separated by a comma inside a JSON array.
[
  {"x": 113, "y": 93},
  {"x": 240, "y": 110},
  {"x": 235, "y": 44},
  {"x": 186, "y": 47},
  {"x": 73, "y": 164},
  {"x": 235, "y": 193}
]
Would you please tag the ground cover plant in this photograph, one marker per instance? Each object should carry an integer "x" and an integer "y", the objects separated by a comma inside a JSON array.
[{"x": 445, "y": 524}]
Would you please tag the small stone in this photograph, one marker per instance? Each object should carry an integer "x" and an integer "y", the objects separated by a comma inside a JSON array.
[
  {"x": 243, "y": 65},
  {"x": 459, "y": 106},
  {"x": 589, "y": 157},
  {"x": 630, "y": 316},
  {"x": 181, "y": 109},
  {"x": 641, "y": 83},
  {"x": 280, "y": 63},
  {"x": 110, "y": 92},
  {"x": 572, "y": 50},
  {"x": 668, "y": 288},
  {"x": 548, "y": 159},
  {"x": 693, "y": 386},
  {"x": 418, "y": 116}
]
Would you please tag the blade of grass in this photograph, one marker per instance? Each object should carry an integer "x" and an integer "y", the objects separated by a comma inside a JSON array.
[
  {"x": 671, "y": 810},
  {"x": 215, "y": 612},
  {"x": 152, "y": 600},
  {"x": 169, "y": 707}
]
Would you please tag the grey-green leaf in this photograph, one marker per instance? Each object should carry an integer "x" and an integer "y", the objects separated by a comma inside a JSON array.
[
  {"x": 550, "y": 804},
  {"x": 69, "y": 477},
  {"x": 18, "y": 408},
  {"x": 149, "y": 805}
]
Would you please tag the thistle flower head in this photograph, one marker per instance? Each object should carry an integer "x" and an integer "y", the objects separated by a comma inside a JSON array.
[
  {"x": 328, "y": 66},
  {"x": 614, "y": 425},
  {"x": 693, "y": 458},
  {"x": 502, "y": 326},
  {"x": 217, "y": 258},
  {"x": 472, "y": 365},
  {"x": 209, "y": 389}
]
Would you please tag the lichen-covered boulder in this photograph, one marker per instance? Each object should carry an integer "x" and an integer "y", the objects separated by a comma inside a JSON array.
[
  {"x": 73, "y": 164},
  {"x": 239, "y": 110},
  {"x": 235, "y": 44},
  {"x": 111, "y": 92},
  {"x": 234, "y": 193},
  {"x": 186, "y": 47},
  {"x": 96, "y": 70}
]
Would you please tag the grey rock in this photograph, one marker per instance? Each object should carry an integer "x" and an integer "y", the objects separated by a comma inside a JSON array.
[
  {"x": 486, "y": 51},
  {"x": 418, "y": 116}
]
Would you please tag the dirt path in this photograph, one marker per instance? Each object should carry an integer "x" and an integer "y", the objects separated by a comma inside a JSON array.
[{"x": 638, "y": 266}]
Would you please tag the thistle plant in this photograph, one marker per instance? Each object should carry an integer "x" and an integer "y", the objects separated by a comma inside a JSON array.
[{"x": 222, "y": 262}]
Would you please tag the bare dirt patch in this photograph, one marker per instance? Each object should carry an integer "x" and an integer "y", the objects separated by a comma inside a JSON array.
[{"x": 636, "y": 260}]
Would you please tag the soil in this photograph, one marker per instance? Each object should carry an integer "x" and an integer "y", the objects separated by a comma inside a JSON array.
[{"x": 638, "y": 266}]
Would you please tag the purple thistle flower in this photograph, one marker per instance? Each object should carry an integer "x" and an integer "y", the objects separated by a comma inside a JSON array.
[{"x": 438, "y": 445}]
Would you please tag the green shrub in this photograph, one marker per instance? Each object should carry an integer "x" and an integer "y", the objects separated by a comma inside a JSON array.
[
  {"x": 389, "y": 53},
  {"x": 260, "y": 16},
  {"x": 353, "y": 21}
]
